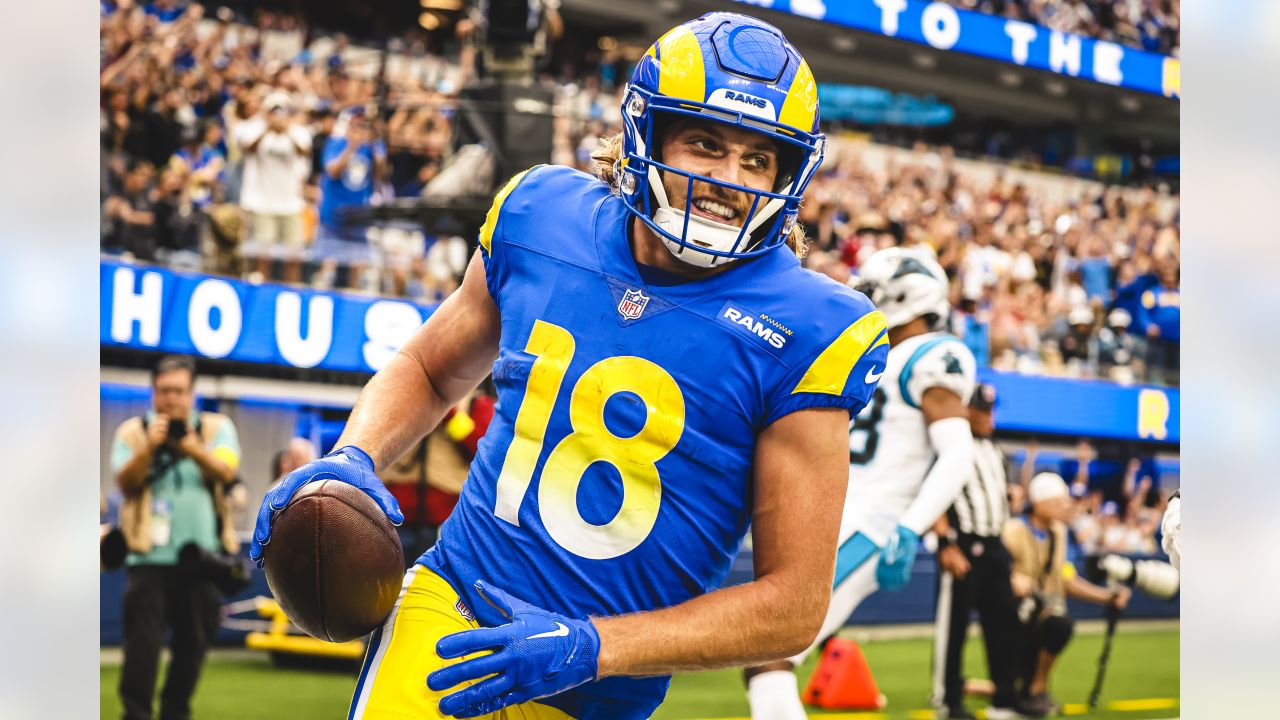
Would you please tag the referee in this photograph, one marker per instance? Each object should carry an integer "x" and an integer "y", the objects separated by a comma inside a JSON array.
[{"x": 975, "y": 571}]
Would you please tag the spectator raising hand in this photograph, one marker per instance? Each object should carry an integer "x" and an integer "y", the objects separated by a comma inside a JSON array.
[{"x": 276, "y": 150}]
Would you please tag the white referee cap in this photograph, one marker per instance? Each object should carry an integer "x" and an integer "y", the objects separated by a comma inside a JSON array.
[{"x": 1047, "y": 486}]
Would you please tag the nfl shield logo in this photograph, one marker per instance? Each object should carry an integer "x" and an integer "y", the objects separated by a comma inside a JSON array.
[{"x": 632, "y": 305}]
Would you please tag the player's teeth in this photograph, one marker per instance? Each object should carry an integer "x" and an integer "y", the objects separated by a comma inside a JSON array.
[{"x": 714, "y": 207}]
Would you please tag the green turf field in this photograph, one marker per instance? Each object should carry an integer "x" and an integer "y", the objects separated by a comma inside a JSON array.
[{"x": 1142, "y": 682}]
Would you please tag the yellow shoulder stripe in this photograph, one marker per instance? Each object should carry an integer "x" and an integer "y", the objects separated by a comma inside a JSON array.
[
  {"x": 491, "y": 219},
  {"x": 829, "y": 373}
]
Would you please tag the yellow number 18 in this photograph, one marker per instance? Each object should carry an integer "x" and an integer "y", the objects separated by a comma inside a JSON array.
[{"x": 590, "y": 442}]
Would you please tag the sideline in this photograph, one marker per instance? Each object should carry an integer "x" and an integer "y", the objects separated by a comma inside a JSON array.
[
  {"x": 112, "y": 655},
  {"x": 924, "y": 631},
  {"x": 1138, "y": 705}
]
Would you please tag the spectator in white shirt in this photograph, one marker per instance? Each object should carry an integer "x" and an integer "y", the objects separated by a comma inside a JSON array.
[
  {"x": 277, "y": 150},
  {"x": 984, "y": 265}
]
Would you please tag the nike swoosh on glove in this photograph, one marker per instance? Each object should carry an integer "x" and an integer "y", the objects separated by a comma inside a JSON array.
[
  {"x": 538, "y": 654},
  {"x": 893, "y": 572},
  {"x": 348, "y": 464}
]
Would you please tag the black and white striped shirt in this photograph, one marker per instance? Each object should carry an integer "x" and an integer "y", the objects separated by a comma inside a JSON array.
[{"x": 983, "y": 506}]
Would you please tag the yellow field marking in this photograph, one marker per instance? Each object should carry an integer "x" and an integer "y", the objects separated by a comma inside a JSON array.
[
  {"x": 1137, "y": 705},
  {"x": 1146, "y": 704}
]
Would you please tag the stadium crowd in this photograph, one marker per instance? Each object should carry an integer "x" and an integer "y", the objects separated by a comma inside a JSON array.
[
  {"x": 227, "y": 146},
  {"x": 232, "y": 147},
  {"x": 1118, "y": 502},
  {"x": 1151, "y": 25},
  {"x": 1080, "y": 282}
]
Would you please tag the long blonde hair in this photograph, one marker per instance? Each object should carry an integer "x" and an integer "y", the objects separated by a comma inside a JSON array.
[{"x": 604, "y": 160}]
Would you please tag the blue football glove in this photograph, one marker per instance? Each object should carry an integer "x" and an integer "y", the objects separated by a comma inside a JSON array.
[
  {"x": 893, "y": 572},
  {"x": 537, "y": 654},
  {"x": 349, "y": 464}
]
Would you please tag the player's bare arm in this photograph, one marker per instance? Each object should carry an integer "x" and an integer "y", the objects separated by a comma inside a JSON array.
[
  {"x": 926, "y": 375},
  {"x": 448, "y": 356},
  {"x": 800, "y": 478},
  {"x": 939, "y": 403},
  {"x": 446, "y": 359}
]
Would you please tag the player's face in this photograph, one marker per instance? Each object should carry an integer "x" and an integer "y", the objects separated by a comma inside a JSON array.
[{"x": 720, "y": 152}]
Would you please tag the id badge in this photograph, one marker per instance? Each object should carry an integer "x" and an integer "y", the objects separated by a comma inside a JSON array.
[{"x": 161, "y": 522}]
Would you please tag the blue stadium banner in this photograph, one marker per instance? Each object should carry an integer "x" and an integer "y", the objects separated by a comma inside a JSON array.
[
  {"x": 1085, "y": 408},
  {"x": 944, "y": 27},
  {"x": 156, "y": 309},
  {"x": 150, "y": 308}
]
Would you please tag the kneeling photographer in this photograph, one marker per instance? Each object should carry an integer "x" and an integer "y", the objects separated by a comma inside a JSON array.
[
  {"x": 1043, "y": 578},
  {"x": 172, "y": 465}
]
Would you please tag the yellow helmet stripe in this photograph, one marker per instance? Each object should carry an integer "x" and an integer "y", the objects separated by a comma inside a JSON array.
[
  {"x": 829, "y": 373},
  {"x": 801, "y": 104},
  {"x": 681, "y": 73},
  {"x": 491, "y": 218}
]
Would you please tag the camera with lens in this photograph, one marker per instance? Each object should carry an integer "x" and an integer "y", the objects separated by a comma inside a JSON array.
[
  {"x": 177, "y": 430},
  {"x": 112, "y": 549},
  {"x": 1157, "y": 579},
  {"x": 229, "y": 574}
]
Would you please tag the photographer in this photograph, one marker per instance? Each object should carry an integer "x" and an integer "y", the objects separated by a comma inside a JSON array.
[
  {"x": 1043, "y": 578},
  {"x": 172, "y": 465}
]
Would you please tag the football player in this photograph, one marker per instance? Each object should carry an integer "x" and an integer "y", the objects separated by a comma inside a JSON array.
[
  {"x": 665, "y": 369},
  {"x": 910, "y": 450}
]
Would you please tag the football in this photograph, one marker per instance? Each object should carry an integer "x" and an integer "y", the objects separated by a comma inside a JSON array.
[{"x": 334, "y": 561}]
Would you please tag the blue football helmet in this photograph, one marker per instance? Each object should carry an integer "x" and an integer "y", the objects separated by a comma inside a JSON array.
[{"x": 731, "y": 69}]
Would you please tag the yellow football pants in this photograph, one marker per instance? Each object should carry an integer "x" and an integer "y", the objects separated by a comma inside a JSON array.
[{"x": 393, "y": 679}]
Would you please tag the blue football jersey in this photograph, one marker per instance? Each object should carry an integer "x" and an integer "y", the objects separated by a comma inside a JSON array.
[{"x": 616, "y": 474}]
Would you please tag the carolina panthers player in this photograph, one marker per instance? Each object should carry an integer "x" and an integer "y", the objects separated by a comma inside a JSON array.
[
  {"x": 666, "y": 372},
  {"x": 909, "y": 451}
]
